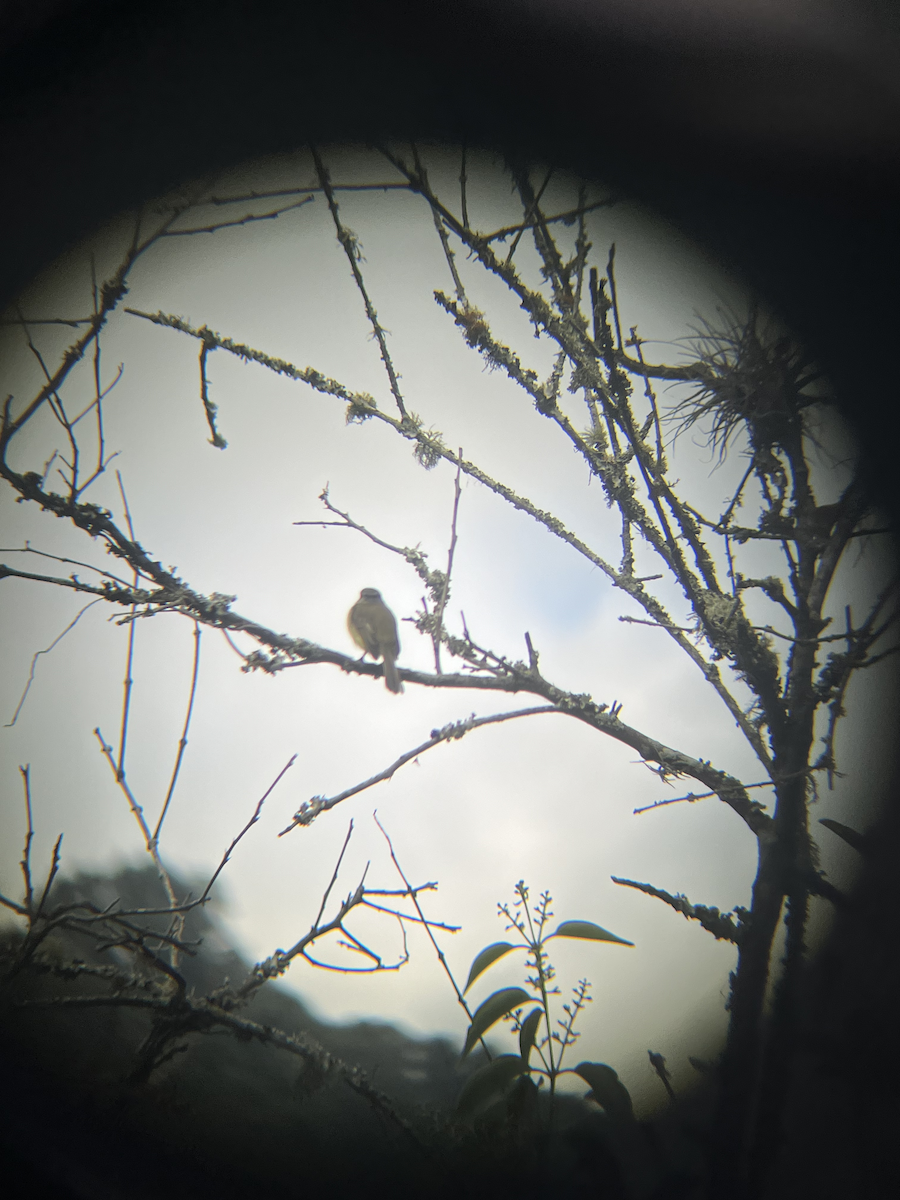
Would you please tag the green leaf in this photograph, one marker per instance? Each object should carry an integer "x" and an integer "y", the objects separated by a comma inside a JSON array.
[
  {"x": 607, "y": 1090},
  {"x": 850, "y": 836},
  {"x": 488, "y": 955},
  {"x": 528, "y": 1032},
  {"x": 587, "y": 929},
  {"x": 488, "y": 1084},
  {"x": 488, "y": 1013},
  {"x": 522, "y": 1103}
]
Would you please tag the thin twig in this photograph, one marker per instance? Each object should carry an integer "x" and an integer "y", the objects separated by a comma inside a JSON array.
[
  {"x": 182, "y": 741},
  {"x": 279, "y": 962},
  {"x": 582, "y": 247},
  {"x": 450, "y": 257},
  {"x": 523, "y": 226},
  {"x": 129, "y": 659},
  {"x": 75, "y": 562},
  {"x": 526, "y": 224},
  {"x": 248, "y": 219},
  {"x": 310, "y": 809},
  {"x": 29, "y": 835},
  {"x": 51, "y": 875},
  {"x": 98, "y": 389},
  {"x": 215, "y": 438},
  {"x": 72, "y": 322},
  {"x": 37, "y": 654},
  {"x": 418, "y": 920},
  {"x": 136, "y": 809},
  {"x": 227, "y": 855},
  {"x": 102, "y": 465},
  {"x": 610, "y": 273},
  {"x": 651, "y": 396},
  {"x": 334, "y": 875},
  {"x": 58, "y": 409},
  {"x": 691, "y": 796},
  {"x": 441, "y": 229},
  {"x": 111, "y": 292},
  {"x": 245, "y": 197},
  {"x": 351, "y": 248},
  {"x": 463, "y": 180},
  {"x": 445, "y": 590},
  {"x": 138, "y": 813},
  {"x": 416, "y": 558},
  {"x": 427, "y": 926}
]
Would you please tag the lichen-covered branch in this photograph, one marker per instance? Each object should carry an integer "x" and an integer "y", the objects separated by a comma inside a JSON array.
[{"x": 722, "y": 926}]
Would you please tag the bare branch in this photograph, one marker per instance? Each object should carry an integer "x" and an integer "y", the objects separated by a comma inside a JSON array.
[
  {"x": 660, "y": 464},
  {"x": 333, "y": 881},
  {"x": 442, "y": 959},
  {"x": 214, "y": 611},
  {"x": 119, "y": 775},
  {"x": 129, "y": 659},
  {"x": 690, "y": 798},
  {"x": 352, "y": 250},
  {"x": 75, "y": 562},
  {"x": 182, "y": 741},
  {"x": 610, "y": 273},
  {"x": 441, "y": 229},
  {"x": 111, "y": 292},
  {"x": 439, "y": 615},
  {"x": 29, "y": 835},
  {"x": 37, "y": 654},
  {"x": 463, "y": 179},
  {"x": 500, "y": 235},
  {"x": 202, "y": 1015},
  {"x": 834, "y": 677},
  {"x": 215, "y": 438},
  {"x": 51, "y": 875},
  {"x": 98, "y": 388},
  {"x": 321, "y": 383},
  {"x": 415, "y": 557},
  {"x": 279, "y": 962},
  {"x": 310, "y": 809},
  {"x": 280, "y": 193},
  {"x": 138, "y": 813},
  {"x": 246, "y": 220},
  {"x": 73, "y": 322},
  {"x": 722, "y": 926},
  {"x": 227, "y": 855},
  {"x": 530, "y": 203}
]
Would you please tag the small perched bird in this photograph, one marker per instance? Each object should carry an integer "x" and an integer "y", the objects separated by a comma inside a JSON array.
[{"x": 374, "y": 629}]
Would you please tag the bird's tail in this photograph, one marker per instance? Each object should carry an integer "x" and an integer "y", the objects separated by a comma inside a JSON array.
[{"x": 391, "y": 678}]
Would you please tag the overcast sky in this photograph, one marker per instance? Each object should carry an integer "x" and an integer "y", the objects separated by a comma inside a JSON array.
[{"x": 544, "y": 799}]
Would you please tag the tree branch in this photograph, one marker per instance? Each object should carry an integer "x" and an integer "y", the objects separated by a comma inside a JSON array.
[{"x": 722, "y": 926}]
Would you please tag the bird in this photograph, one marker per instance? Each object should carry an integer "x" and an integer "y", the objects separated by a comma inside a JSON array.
[{"x": 373, "y": 628}]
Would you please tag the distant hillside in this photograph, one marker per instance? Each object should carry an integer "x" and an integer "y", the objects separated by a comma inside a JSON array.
[
  {"x": 224, "y": 1117},
  {"x": 231, "y": 1120}
]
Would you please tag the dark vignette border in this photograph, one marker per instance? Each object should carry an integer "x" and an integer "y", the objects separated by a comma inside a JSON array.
[{"x": 777, "y": 146}]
